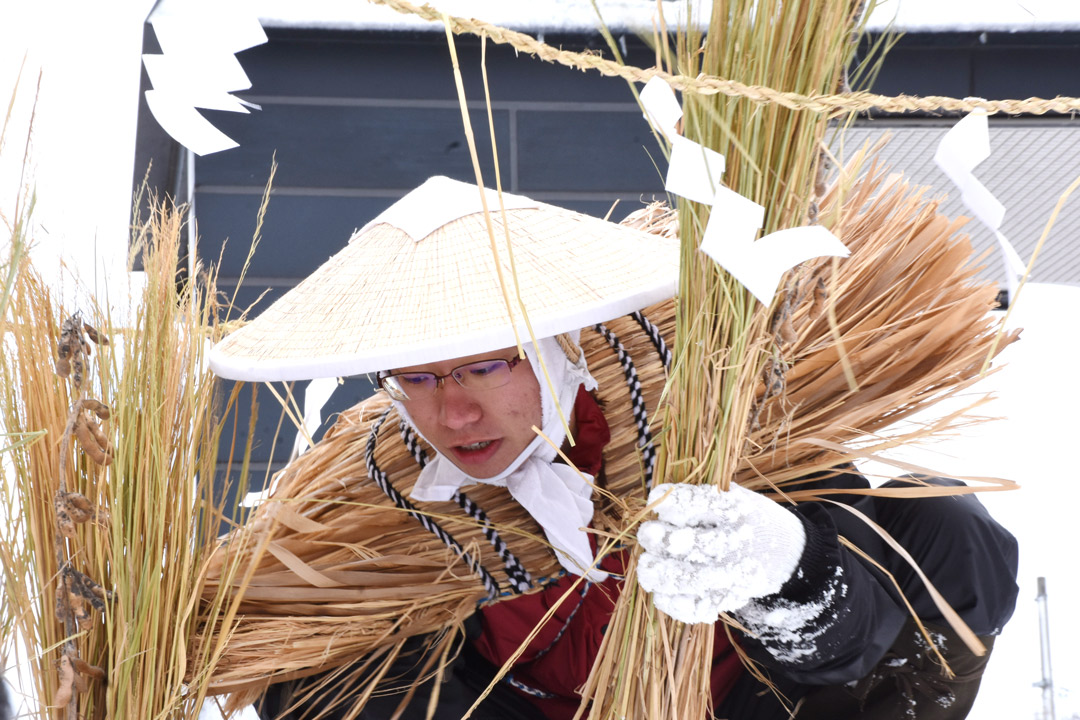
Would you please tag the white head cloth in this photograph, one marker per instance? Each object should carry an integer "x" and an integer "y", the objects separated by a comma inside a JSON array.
[{"x": 554, "y": 494}]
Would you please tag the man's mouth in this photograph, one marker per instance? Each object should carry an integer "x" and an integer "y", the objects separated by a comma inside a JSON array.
[{"x": 475, "y": 453}]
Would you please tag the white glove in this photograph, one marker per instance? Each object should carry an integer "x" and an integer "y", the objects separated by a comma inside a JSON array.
[{"x": 714, "y": 551}]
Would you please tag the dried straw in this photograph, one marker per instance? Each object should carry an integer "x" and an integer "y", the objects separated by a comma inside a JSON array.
[
  {"x": 726, "y": 341},
  {"x": 102, "y": 569}
]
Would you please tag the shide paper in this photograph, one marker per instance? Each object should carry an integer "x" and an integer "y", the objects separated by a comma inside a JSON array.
[
  {"x": 694, "y": 173},
  {"x": 759, "y": 265},
  {"x": 662, "y": 109},
  {"x": 316, "y": 395},
  {"x": 962, "y": 149},
  {"x": 198, "y": 69}
]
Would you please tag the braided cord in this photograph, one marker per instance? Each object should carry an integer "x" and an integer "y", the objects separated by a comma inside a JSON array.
[
  {"x": 513, "y": 682},
  {"x": 582, "y": 591},
  {"x": 383, "y": 481},
  {"x": 637, "y": 403},
  {"x": 654, "y": 335},
  {"x": 519, "y": 578},
  {"x": 835, "y": 104}
]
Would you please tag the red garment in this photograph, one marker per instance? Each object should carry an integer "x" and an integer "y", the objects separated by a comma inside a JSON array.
[{"x": 559, "y": 664}]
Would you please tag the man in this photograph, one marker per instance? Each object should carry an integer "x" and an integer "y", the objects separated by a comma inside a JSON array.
[{"x": 820, "y": 618}]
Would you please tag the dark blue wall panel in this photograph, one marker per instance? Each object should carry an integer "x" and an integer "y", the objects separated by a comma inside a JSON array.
[
  {"x": 587, "y": 151},
  {"x": 320, "y": 146},
  {"x": 299, "y": 232}
]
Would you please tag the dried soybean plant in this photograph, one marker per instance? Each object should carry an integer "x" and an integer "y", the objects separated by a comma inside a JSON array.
[
  {"x": 115, "y": 510},
  {"x": 54, "y": 597},
  {"x": 77, "y": 594}
]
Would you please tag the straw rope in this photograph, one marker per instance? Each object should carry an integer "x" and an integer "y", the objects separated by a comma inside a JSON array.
[
  {"x": 518, "y": 576},
  {"x": 710, "y": 85}
]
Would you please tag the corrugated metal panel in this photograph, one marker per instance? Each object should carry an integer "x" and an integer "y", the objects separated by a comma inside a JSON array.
[{"x": 1030, "y": 166}]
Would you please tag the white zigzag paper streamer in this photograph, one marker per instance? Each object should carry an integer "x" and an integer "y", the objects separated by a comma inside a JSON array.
[
  {"x": 960, "y": 151},
  {"x": 316, "y": 395},
  {"x": 694, "y": 173},
  {"x": 198, "y": 68}
]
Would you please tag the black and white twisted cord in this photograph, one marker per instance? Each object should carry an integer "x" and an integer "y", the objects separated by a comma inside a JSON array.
[
  {"x": 518, "y": 576},
  {"x": 583, "y": 590},
  {"x": 383, "y": 481},
  {"x": 657, "y": 339},
  {"x": 637, "y": 403},
  {"x": 513, "y": 682}
]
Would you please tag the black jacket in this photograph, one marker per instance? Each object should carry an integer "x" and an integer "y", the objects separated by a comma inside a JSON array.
[{"x": 836, "y": 618}]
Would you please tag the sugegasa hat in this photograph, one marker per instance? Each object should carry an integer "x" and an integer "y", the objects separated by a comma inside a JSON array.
[{"x": 436, "y": 276}]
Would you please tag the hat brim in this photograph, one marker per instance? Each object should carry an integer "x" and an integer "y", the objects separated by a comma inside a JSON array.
[{"x": 388, "y": 301}]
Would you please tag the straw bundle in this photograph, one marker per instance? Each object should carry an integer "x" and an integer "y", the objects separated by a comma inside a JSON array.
[
  {"x": 843, "y": 383},
  {"x": 102, "y": 567},
  {"x": 725, "y": 340},
  {"x": 335, "y": 570}
]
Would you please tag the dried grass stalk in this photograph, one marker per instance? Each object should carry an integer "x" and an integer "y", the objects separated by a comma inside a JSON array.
[{"x": 112, "y": 529}]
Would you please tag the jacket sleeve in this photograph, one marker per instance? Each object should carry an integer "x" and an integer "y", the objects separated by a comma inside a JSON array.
[
  {"x": 838, "y": 614},
  {"x": 832, "y": 621}
]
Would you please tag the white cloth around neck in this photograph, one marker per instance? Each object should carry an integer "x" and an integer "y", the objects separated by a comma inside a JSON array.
[{"x": 556, "y": 496}]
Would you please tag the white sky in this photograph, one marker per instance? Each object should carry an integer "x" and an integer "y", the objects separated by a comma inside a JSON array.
[{"x": 83, "y": 151}]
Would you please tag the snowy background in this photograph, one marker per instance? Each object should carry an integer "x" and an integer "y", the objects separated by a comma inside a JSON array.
[{"x": 83, "y": 149}]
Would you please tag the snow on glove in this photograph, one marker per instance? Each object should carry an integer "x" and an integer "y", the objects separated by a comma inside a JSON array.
[{"x": 713, "y": 551}]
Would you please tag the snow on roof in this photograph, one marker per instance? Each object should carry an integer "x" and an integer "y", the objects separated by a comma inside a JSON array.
[
  {"x": 977, "y": 15},
  {"x": 535, "y": 16},
  {"x": 631, "y": 15}
]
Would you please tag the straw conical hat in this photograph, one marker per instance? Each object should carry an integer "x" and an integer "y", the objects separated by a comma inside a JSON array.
[{"x": 421, "y": 283}]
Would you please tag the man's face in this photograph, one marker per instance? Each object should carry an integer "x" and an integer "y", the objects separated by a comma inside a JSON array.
[{"x": 480, "y": 430}]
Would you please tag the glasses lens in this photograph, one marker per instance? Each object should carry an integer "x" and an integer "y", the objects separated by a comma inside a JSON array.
[
  {"x": 411, "y": 385},
  {"x": 483, "y": 375}
]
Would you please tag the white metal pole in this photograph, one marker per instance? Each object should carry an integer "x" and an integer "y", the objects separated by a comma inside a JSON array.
[
  {"x": 191, "y": 229},
  {"x": 1047, "y": 682}
]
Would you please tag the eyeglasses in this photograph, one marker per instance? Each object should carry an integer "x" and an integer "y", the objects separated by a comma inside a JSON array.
[{"x": 480, "y": 375}]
